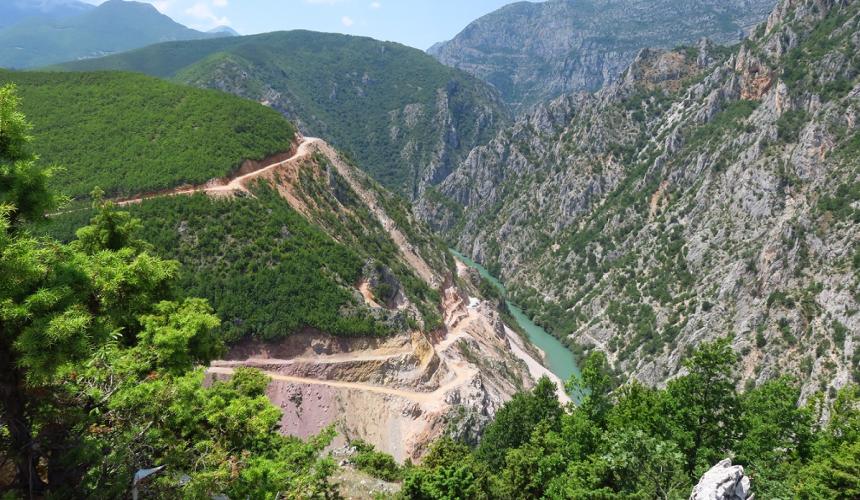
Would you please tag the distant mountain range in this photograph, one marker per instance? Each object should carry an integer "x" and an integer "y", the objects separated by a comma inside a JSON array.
[
  {"x": 14, "y": 11},
  {"x": 224, "y": 30},
  {"x": 533, "y": 52},
  {"x": 55, "y": 31}
]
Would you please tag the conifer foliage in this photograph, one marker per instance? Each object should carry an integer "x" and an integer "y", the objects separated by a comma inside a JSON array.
[{"x": 98, "y": 360}]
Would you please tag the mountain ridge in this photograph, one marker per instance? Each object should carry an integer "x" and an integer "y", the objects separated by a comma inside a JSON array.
[
  {"x": 705, "y": 191},
  {"x": 405, "y": 117},
  {"x": 114, "y": 26},
  {"x": 15, "y": 11},
  {"x": 533, "y": 52}
]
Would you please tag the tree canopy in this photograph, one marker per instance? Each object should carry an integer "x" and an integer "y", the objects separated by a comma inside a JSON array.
[
  {"x": 636, "y": 442},
  {"x": 98, "y": 358}
]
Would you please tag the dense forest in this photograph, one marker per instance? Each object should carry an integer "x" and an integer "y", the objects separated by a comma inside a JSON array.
[
  {"x": 131, "y": 133},
  {"x": 390, "y": 106},
  {"x": 281, "y": 271},
  {"x": 98, "y": 365},
  {"x": 278, "y": 274}
]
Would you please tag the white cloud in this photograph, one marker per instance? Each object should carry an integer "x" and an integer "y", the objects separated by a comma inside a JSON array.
[
  {"x": 161, "y": 5},
  {"x": 324, "y": 2},
  {"x": 202, "y": 12},
  {"x": 375, "y": 5},
  {"x": 219, "y": 3},
  {"x": 347, "y": 21}
]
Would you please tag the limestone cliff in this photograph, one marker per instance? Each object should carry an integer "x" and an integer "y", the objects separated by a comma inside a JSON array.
[
  {"x": 533, "y": 52},
  {"x": 706, "y": 193}
]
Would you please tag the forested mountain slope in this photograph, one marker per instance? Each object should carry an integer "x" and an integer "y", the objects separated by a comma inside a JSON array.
[
  {"x": 535, "y": 51},
  {"x": 323, "y": 279},
  {"x": 106, "y": 356},
  {"x": 269, "y": 268},
  {"x": 292, "y": 251},
  {"x": 704, "y": 194},
  {"x": 404, "y": 117},
  {"x": 128, "y": 133},
  {"x": 114, "y": 26}
]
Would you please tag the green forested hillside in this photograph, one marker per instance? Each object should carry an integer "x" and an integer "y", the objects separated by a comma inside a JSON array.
[
  {"x": 277, "y": 274},
  {"x": 267, "y": 270},
  {"x": 405, "y": 117},
  {"x": 130, "y": 133},
  {"x": 638, "y": 442},
  {"x": 112, "y": 27},
  {"x": 100, "y": 373}
]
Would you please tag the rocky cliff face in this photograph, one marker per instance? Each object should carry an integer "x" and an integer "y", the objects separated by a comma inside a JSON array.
[
  {"x": 406, "y": 145},
  {"x": 532, "y": 52},
  {"x": 704, "y": 194},
  {"x": 406, "y": 119}
]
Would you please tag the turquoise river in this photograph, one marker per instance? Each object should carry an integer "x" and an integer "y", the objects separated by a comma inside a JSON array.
[{"x": 558, "y": 359}]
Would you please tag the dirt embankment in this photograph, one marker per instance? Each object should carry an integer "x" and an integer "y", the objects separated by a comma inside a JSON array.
[{"x": 399, "y": 394}]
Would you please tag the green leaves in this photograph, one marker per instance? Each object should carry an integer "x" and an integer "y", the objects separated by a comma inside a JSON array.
[
  {"x": 179, "y": 335},
  {"x": 377, "y": 464},
  {"x": 515, "y": 422},
  {"x": 704, "y": 406},
  {"x": 130, "y": 133},
  {"x": 639, "y": 442},
  {"x": 97, "y": 368},
  {"x": 23, "y": 191},
  {"x": 15, "y": 136}
]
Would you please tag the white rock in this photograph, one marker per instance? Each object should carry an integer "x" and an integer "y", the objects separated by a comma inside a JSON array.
[{"x": 723, "y": 482}]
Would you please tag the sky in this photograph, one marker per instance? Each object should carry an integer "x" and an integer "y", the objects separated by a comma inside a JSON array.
[{"x": 418, "y": 23}]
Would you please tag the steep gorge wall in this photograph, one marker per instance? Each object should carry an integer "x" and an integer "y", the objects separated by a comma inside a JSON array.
[{"x": 704, "y": 194}]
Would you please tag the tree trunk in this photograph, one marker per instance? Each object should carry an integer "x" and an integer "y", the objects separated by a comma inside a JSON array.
[{"x": 14, "y": 406}]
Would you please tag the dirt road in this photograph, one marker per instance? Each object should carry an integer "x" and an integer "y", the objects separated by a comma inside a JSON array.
[{"x": 226, "y": 186}]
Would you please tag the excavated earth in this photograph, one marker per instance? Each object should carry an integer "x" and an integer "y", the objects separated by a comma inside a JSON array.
[{"x": 398, "y": 394}]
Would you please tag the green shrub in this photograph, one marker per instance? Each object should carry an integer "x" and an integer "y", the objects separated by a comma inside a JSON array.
[
  {"x": 377, "y": 464},
  {"x": 790, "y": 123}
]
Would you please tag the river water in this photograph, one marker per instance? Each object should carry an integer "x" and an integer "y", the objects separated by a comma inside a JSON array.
[{"x": 558, "y": 358}]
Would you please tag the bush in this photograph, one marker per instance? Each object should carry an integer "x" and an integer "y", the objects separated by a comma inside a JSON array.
[
  {"x": 377, "y": 464},
  {"x": 790, "y": 123}
]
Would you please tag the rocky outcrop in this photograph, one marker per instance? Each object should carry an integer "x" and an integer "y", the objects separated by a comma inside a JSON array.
[
  {"x": 705, "y": 193},
  {"x": 723, "y": 482},
  {"x": 533, "y": 52}
]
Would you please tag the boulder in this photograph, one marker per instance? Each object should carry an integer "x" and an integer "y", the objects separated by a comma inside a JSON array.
[{"x": 723, "y": 482}]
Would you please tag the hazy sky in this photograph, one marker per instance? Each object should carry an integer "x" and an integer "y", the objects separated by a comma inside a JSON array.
[{"x": 418, "y": 23}]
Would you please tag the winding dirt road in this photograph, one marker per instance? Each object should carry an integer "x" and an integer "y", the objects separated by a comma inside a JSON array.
[
  {"x": 462, "y": 374},
  {"x": 460, "y": 317},
  {"x": 226, "y": 186}
]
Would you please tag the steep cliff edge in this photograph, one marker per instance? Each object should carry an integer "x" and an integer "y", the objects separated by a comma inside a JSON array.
[
  {"x": 533, "y": 52},
  {"x": 703, "y": 194}
]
